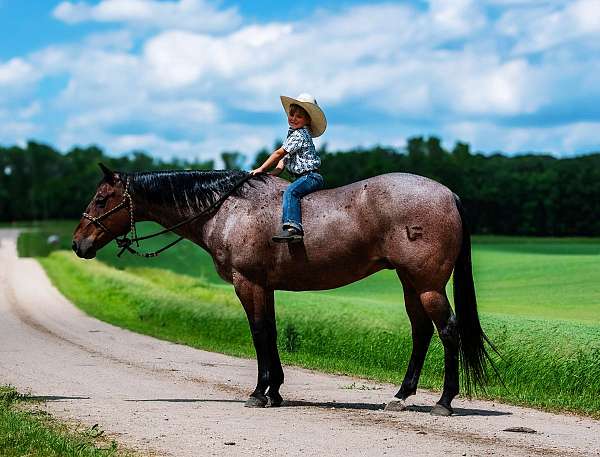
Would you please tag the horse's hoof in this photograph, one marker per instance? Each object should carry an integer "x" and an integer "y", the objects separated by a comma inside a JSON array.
[
  {"x": 440, "y": 410},
  {"x": 275, "y": 400},
  {"x": 256, "y": 402},
  {"x": 396, "y": 405}
]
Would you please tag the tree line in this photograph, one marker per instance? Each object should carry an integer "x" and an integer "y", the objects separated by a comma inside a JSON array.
[{"x": 532, "y": 194}]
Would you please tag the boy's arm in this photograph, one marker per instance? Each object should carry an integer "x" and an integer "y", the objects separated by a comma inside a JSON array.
[
  {"x": 273, "y": 159},
  {"x": 278, "y": 169}
]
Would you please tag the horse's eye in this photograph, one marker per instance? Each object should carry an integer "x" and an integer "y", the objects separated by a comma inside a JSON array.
[{"x": 101, "y": 201}]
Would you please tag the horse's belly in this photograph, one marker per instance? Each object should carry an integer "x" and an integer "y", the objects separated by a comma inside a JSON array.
[{"x": 321, "y": 276}]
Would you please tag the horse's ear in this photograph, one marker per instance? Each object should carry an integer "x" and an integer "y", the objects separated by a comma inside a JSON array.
[{"x": 109, "y": 175}]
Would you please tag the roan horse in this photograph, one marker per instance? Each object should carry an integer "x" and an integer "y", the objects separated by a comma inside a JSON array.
[{"x": 396, "y": 221}]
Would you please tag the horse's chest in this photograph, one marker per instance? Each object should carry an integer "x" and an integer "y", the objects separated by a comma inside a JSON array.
[{"x": 222, "y": 261}]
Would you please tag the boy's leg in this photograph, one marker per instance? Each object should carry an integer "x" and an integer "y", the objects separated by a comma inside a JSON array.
[{"x": 292, "y": 212}]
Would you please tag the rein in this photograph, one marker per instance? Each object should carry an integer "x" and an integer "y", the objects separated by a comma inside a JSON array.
[{"x": 127, "y": 202}]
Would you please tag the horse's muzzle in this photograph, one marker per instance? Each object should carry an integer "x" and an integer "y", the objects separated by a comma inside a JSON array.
[{"x": 84, "y": 248}]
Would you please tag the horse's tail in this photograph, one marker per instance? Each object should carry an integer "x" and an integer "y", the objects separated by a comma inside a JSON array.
[{"x": 473, "y": 354}]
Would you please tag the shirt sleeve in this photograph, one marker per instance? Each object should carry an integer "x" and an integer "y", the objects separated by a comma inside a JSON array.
[{"x": 293, "y": 143}]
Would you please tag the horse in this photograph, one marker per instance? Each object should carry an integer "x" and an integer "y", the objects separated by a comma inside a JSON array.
[{"x": 398, "y": 221}]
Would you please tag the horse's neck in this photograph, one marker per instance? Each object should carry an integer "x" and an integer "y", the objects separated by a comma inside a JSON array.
[
  {"x": 165, "y": 215},
  {"x": 206, "y": 231},
  {"x": 170, "y": 215}
]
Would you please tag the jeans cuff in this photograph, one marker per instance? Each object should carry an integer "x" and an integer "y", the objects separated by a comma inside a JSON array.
[{"x": 293, "y": 224}]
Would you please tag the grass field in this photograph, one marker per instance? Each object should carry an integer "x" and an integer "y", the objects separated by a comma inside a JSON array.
[
  {"x": 539, "y": 302},
  {"x": 25, "y": 431}
]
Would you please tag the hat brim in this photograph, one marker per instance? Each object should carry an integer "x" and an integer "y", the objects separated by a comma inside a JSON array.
[{"x": 318, "y": 122}]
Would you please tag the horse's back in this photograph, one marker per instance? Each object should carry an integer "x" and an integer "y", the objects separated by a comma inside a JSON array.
[
  {"x": 397, "y": 220},
  {"x": 384, "y": 198},
  {"x": 365, "y": 211}
]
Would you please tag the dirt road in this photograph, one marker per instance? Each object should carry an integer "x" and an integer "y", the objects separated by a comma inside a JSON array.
[{"x": 173, "y": 400}]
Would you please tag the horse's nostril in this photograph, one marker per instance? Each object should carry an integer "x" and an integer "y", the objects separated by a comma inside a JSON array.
[{"x": 74, "y": 246}]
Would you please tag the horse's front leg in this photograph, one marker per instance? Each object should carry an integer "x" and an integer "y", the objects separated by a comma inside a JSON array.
[{"x": 258, "y": 302}]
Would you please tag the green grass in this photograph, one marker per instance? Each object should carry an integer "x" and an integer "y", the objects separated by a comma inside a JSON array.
[
  {"x": 539, "y": 302},
  {"x": 25, "y": 431},
  {"x": 553, "y": 364}
]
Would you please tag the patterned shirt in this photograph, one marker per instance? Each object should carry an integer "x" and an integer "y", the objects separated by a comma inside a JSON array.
[{"x": 301, "y": 153}]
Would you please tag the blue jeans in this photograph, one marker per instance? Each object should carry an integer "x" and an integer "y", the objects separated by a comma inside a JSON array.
[{"x": 304, "y": 185}]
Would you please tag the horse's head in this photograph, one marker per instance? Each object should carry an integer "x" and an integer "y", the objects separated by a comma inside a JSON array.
[{"x": 106, "y": 217}]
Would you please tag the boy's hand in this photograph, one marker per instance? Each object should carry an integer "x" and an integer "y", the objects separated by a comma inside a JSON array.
[{"x": 256, "y": 171}]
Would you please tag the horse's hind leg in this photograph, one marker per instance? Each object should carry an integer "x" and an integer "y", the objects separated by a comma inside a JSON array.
[
  {"x": 438, "y": 309},
  {"x": 422, "y": 331}
]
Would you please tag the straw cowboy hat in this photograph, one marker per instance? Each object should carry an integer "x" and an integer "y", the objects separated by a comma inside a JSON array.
[{"x": 318, "y": 123}]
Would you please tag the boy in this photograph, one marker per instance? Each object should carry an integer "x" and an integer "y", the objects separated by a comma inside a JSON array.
[{"x": 299, "y": 156}]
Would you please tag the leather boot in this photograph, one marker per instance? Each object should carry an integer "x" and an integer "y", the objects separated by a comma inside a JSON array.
[{"x": 288, "y": 235}]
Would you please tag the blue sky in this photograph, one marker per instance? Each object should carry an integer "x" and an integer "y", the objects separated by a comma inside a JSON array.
[{"x": 191, "y": 78}]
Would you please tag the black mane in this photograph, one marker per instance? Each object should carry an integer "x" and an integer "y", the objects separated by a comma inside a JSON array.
[{"x": 189, "y": 192}]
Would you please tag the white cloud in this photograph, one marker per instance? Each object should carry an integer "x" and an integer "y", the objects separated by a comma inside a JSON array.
[
  {"x": 182, "y": 14},
  {"x": 152, "y": 142},
  {"x": 30, "y": 111},
  {"x": 178, "y": 58},
  {"x": 16, "y": 72},
  {"x": 522, "y": 3},
  {"x": 542, "y": 28},
  {"x": 183, "y": 114},
  {"x": 119, "y": 40},
  {"x": 494, "y": 87},
  {"x": 16, "y": 132},
  {"x": 566, "y": 139},
  {"x": 456, "y": 18},
  {"x": 342, "y": 137},
  {"x": 384, "y": 55},
  {"x": 222, "y": 137},
  {"x": 452, "y": 67}
]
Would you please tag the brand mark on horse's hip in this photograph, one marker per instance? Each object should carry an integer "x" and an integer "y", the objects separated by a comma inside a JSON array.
[{"x": 414, "y": 232}]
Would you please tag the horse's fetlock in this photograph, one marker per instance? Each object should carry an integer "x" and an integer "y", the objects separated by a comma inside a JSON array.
[{"x": 405, "y": 392}]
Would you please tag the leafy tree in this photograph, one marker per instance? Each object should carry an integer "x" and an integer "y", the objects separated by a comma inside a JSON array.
[
  {"x": 529, "y": 194},
  {"x": 233, "y": 160}
]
